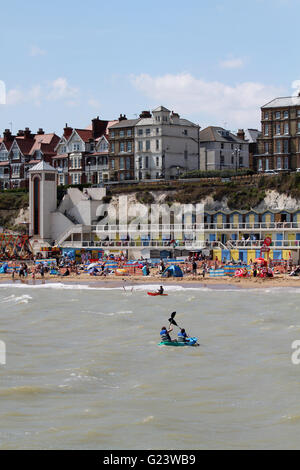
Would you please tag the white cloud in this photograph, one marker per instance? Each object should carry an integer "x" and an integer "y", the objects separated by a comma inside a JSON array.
[
  {"x": 60, "y": 89},
  {"x": 233, "y": 63},
  {"x": 57, "y": 90},
  {"x": 93, "y": 103},
  {"x": 36, "y": 51},
  {"x": 238, "y": 105}
]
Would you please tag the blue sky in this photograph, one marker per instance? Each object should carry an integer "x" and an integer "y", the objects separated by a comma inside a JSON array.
[{"x": 213, "y": 62}]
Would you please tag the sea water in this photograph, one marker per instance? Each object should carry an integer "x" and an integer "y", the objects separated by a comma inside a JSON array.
[{"x": 84, "y": 369}]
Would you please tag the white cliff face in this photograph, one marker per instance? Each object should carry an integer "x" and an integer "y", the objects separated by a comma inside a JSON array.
[
  {"x": 272, "y": 201},
  {"x": 276, "y": 201}
]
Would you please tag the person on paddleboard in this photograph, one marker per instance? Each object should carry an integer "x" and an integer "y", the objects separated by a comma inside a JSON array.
[{"x": 164, "y": 334}]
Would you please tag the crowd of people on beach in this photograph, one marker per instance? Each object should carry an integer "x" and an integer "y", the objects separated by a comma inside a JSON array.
[{"x": 194, "y": 266}]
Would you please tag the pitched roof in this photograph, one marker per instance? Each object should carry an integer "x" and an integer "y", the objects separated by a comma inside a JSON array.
[
  {"x": 125, "y": 123},
  {"x": 42, "y": 166},
  {"x": 218, "y": 134},
  {"x": 84, "y": 134},
  {"x": 160, "y": 108},
  {"x": 283, "y": 102}
]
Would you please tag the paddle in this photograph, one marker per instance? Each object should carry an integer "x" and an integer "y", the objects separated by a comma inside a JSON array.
[{"x": 172, "y": 321}]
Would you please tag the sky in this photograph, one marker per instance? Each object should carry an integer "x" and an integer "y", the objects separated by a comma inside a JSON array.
[{"x": 215, "y": 63}]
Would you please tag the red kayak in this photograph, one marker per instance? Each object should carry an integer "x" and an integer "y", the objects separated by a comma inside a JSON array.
[{"x": 155, "y": 293}]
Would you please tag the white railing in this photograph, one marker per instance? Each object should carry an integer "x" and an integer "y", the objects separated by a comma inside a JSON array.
[{"x": 196, "y": 227}]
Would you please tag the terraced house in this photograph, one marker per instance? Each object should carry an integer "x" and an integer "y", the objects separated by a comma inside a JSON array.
[
  {"x": 121, "y": 142},
  {"x": 82, "y": 154},
  {"x": 21, "y": 152},
  {"x": 279, "y": 145}
]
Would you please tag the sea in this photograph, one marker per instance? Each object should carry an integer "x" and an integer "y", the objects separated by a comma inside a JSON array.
[{"x": 84, "y": 369}]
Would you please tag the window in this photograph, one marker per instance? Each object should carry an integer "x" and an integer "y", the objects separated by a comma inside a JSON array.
[
  {"x": 221, "y": 160},
  {"x": 260, "y": 165},
  {"x": 3, "y": 156},
  {"x": 278, "y": 129},
  {"x": 140, "y": 145},
  {"x": 148, "y": 131},
  {"x": 140, "y": 132},
  {"x": 140, "y": 163},
  {"x": 222, "y": 146},
  {"x": 113, "y": 164},
  {"x": 278, "y": 163},
  {"x": 122, "y": 147},
  {"x": 267, "y": 164},
  {"x": 76, "y": 147},
  {"x": 122, "y": 133},
  {"x": 147, "y": 144},
  {"x": 122, "y": 167},
  {"x": 112, "y": 147},
  {"x": 286, "y": 146},
  {"x": 277, "y": 115},
  {"x": 278, "y": 146},
  {"x": 129, "y": 132},
  {"x": 298, "y": 127},
  {"x": 157, "y": 130},
  {"x": 129, "y": 146},
  {"x": 157, "y": 145},
  {"x": 298, "y": 112},
  {"x": 266, "y": 115},
  {"x": 127, "y": 163},
  {"x": 266, "y": 129},
  {"x": 286, "y": 127},
  {"x": 286, "y": 163},
  {"x": 185, "y": 132},
  {"x": 147, "y": 162},
  {"x": 266, "y": 147},
  {"x": 241, "y": 161},
  {"x": 285, "y": 115},
  {"x": 112, "y": 133},
  {"x": 157, "y": 161}
]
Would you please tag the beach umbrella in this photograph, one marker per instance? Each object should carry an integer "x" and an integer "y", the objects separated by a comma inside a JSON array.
[{"x": 260, "y": 260}]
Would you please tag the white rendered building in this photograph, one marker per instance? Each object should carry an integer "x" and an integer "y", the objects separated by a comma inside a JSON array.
[{"x": 165, "y": 145}]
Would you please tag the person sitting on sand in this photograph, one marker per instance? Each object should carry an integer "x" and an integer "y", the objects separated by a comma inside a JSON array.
[
  {"x": 67, "y": 272},
  {"x": 164, "y": 334}
]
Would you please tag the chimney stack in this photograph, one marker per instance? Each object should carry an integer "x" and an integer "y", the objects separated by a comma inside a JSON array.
[
  {"x": 145, "y": 114},
  {"x": 7, "y": 137},
  {"x": 40, "y": 131},
  {"x": 98, "y": 127},
  {"x": 241, "y": 134},
  {"x": 122, "y": 117},
  {"x": 67, "y": 131}
]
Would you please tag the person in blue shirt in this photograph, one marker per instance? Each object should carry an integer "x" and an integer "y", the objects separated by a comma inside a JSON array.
[
  {"x": 164, "y": 334},
  {"x": 182, "y": 336}
]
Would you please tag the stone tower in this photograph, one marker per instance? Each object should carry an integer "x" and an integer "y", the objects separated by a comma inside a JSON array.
[{"x": 42, "y": 200}]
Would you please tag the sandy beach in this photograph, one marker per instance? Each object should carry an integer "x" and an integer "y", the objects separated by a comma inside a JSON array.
[{"x": 282, "y": 280}]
